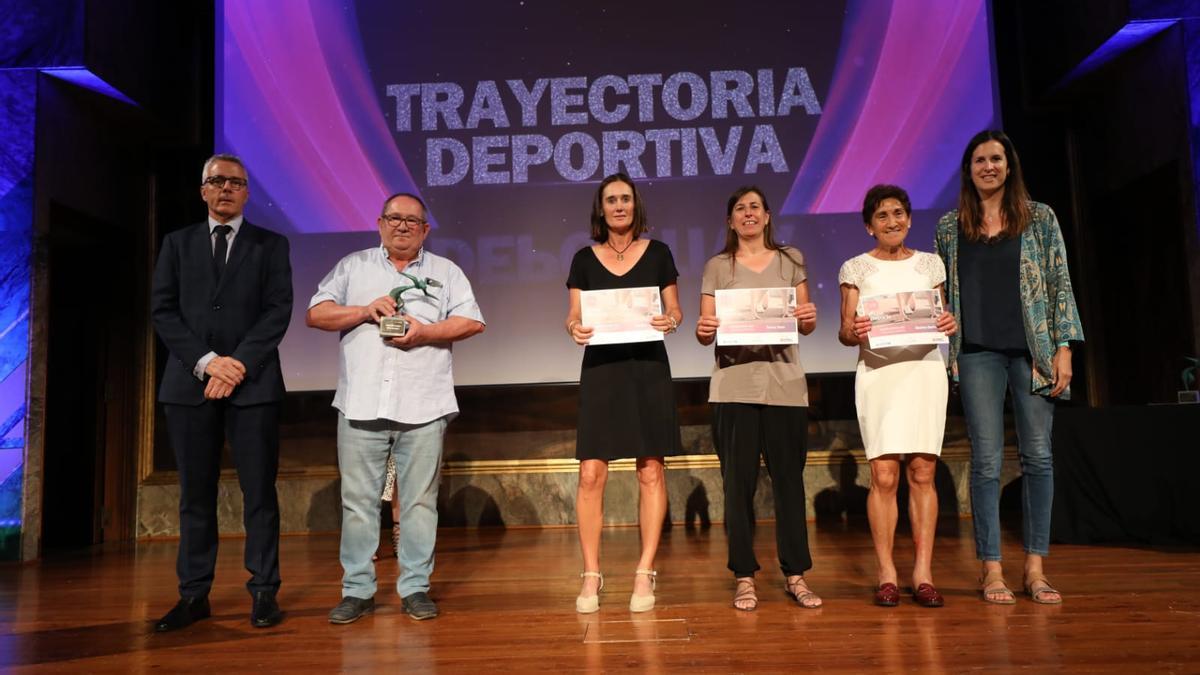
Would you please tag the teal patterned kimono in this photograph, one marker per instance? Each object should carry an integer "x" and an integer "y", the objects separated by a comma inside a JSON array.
[{"x": 1050, "y": 315}]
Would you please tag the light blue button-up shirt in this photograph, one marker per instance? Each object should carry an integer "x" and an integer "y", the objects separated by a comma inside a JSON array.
[{"x": 377, "y": 380}]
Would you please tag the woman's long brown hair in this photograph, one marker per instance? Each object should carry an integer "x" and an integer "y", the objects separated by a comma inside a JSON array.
[{"x": 1014, "y": 205}]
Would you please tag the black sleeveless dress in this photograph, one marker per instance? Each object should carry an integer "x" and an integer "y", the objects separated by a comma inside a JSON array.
[{"x": 626, "y": 398}]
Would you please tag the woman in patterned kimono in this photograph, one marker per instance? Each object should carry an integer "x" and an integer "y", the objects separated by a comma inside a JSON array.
[
  {"x": 1010, "y": 289},
  {"x": 900, "y": 392}
]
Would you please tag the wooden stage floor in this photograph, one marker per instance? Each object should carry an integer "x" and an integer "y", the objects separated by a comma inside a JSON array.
[{"x": 507, "y": 606}]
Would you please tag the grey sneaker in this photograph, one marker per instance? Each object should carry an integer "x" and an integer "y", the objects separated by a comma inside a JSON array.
[
  {"x": 351, "y": 609},
  {"x": 419, "y": 606}
]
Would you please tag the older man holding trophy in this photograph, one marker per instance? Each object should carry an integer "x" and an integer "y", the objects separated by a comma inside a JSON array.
[{"x": 398, "y": 308}]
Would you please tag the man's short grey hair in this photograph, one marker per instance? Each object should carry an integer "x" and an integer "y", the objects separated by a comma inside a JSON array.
[{"x": 222, "y": 157}]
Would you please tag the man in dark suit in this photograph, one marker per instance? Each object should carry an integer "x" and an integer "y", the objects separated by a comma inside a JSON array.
[{"x": 221, "y": 301}]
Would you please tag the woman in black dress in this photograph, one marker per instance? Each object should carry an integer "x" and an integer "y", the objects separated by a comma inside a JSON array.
[{"x": 626, "y": 400}]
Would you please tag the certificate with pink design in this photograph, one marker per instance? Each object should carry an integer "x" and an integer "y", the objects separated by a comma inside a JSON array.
[
  {"x": 904, "y": 318},
  {"x": 756, "y": 316},
  {"x": 621, "y": 315}
]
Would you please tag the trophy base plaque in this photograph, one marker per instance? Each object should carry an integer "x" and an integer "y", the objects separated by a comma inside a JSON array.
[{"x": 393, "y": 326}]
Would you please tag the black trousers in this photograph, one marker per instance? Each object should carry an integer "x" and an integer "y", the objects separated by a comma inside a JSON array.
[
  {"x": 197, "y": 435},
  {"x": 741, "y": 432}
]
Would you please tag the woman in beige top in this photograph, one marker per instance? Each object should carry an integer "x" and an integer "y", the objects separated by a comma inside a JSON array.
[{"x": 760, "y": 400}]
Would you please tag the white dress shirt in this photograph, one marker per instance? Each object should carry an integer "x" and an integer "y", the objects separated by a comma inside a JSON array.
[{"x": 377, "y": 380}]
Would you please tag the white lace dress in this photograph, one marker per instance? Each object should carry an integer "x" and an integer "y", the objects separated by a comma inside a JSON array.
[{"x": 900, "y": 392}]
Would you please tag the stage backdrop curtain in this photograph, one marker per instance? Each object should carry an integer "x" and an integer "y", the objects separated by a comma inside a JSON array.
[{"x": 1127, "y": 475}]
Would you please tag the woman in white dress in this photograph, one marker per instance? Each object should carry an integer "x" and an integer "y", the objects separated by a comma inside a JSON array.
[{"x": 900, "y": 392}]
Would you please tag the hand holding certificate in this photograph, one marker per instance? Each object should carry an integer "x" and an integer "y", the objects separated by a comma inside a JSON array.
[
  {"x": 621, "y": 315},
  {"x": 756, "y": 316},
  {"x": 903, "y": 319}
]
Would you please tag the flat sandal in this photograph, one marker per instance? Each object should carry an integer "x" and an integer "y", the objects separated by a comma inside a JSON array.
[
  {"x": 744, "y": 591},
  {"x": 801, "y": 593},
  {"x": 1046, "y": 588},
  {"x": 996, "y": 577}
]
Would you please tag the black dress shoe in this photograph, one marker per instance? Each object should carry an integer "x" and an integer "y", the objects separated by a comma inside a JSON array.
[
  {"x": 265, "y": 612},
  {"x": 185, "y": 612}
]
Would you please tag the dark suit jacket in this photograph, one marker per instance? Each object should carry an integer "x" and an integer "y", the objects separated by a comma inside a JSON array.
[{"x": 244, "y": 314}]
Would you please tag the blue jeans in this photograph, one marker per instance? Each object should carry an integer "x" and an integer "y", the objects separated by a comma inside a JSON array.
[
  {"x": 983, "y": 378},
  {"x": 363, "y": 449}
]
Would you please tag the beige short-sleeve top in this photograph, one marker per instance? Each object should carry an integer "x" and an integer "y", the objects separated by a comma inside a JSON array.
[{"x": 763, "y": 374}]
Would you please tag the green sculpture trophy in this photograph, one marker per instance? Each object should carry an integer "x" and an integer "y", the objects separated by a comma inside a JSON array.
[{"x": 396, "y": 325}]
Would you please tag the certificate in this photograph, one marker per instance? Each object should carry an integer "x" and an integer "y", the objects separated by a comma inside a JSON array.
[
  {"x": 621, "y": 315},
  {"x": 756, "y": 316},
  {"x": 904, "y": 318}
]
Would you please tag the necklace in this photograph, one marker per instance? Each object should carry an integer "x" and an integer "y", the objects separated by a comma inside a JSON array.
[
  {"x": 990, "y": 220},
  {"x": 620, "y": 253}
]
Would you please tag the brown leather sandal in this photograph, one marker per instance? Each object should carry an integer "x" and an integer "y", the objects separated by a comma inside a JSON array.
[
  {"x": 801, "y": 593},
  {"x": 744, "y": 593}
]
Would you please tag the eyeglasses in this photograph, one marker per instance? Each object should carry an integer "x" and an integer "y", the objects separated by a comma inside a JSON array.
[
  {"x": 396, "y": 220},
  {"x": 219, "y": 182}
]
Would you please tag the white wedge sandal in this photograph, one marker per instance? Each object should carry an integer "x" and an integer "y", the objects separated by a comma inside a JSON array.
[
  {"x": 589, "y": 604},
  {"x": 644, "y": 603}
]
